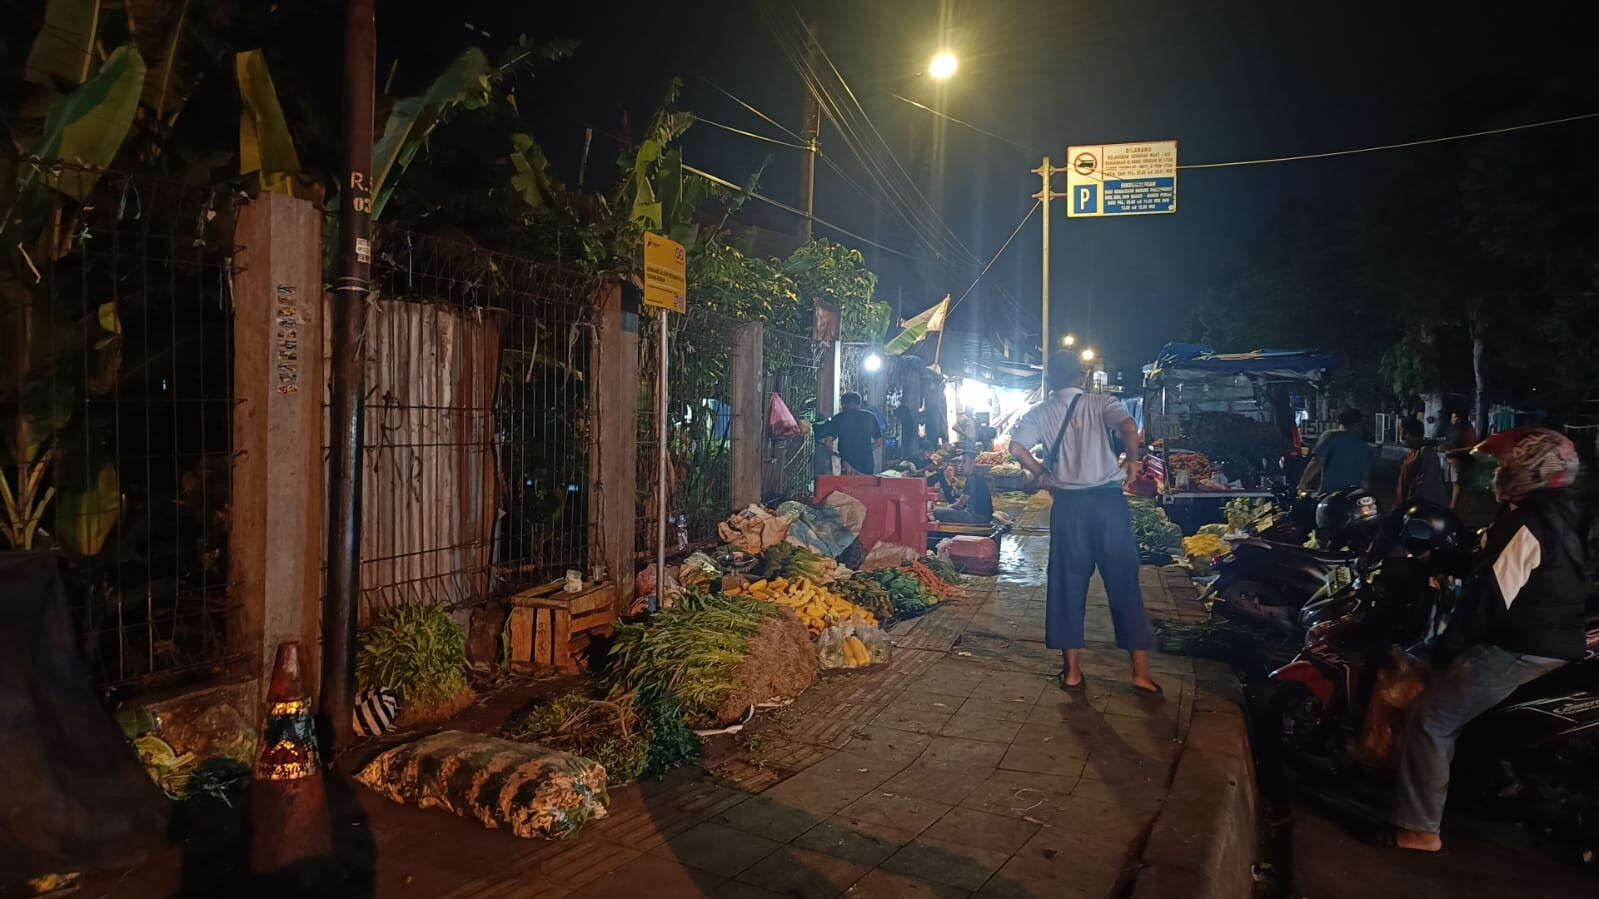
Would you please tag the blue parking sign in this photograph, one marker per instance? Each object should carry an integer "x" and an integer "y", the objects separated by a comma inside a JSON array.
[{"x": 1085, "y": 199}]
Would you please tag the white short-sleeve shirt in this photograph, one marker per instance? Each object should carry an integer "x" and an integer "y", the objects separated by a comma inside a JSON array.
[{"x": 1085, "y": 458}]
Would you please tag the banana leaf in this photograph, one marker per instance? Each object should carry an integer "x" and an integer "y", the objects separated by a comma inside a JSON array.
[
  {"x": 646, "y": 208},
  {"x": 84, "y": 518},
  {"x": 532, "y": 179},
  {"x": 265, "y": 145},
  {"x": 464, "y": 82},
  {"x": 63, "y": 53},
  {"x": 87, "y": 127}
]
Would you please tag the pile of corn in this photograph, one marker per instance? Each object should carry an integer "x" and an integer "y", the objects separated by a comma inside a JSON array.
[
  {"x": 817, "y": 607},
  {"x": 1206, "y": 546}
]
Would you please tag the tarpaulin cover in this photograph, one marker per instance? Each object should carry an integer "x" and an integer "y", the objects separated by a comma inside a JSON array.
[
  {"x": 528, "y": 789},
  {"x": 828, "y": 527},
  {"x": 1186, "y": 360},
  {"x": 76, "y": 796}
]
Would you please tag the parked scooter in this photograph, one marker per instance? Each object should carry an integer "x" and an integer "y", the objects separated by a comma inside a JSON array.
[{"x": 1266, "y": 582}]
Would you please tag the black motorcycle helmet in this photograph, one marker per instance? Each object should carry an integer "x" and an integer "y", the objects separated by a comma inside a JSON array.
[
  {"x": 1425, "y": 527},
  {"x": 1348, "y": 514}
]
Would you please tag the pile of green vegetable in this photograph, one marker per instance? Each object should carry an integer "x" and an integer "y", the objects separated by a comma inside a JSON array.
[
  {"x": 909, "y": 595},
  {"x": 788, "y": 560},
  {"x": 945, "y": 571},
  {"x": 417, "y": 651},
  {"x": 1159, "y": 538},
  {"x": 865, "y": 591},
  {"x": 690, "y": 650},
  {"x": 639, "y": 734}
]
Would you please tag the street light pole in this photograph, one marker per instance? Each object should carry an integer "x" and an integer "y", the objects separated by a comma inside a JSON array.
[
  {"x": 811, "y": 132},
  {"x": 350, "y": 291},
  {"x": 1046, "y": 173}
]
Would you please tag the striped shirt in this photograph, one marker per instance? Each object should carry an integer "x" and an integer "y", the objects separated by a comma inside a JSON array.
[{"x": 1085, "y": 458}]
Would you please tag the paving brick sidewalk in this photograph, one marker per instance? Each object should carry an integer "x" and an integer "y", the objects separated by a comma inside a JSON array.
[{"x": 957, "y": 769}]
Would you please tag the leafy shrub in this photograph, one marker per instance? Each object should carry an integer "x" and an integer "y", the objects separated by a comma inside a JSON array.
[{"x": 416, "y": 651}]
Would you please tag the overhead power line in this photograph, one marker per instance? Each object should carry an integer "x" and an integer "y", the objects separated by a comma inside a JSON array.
[
  {"x": 1000, "y": 252},
  {"x": 750, "y": 134},
  {"x": 799, "y": 212},
  {"x": 1399, "y": 146},
  {"x": 965, "y": 124}
]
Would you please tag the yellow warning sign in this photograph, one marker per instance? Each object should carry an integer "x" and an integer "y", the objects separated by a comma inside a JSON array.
[{"x": 665, "y": 273}]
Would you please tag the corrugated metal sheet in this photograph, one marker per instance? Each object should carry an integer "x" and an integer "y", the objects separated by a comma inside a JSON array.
[{"x": 431, "y": 481}]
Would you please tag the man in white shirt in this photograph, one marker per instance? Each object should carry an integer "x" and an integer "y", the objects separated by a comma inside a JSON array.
[{"x": 1089, "y": 526}]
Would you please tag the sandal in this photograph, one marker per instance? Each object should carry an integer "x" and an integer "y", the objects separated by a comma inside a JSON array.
[
  {"x": 1157, "y": 691},
  {"x": 1388, "y": 838},
  {"x": 1061, "y": 680}
]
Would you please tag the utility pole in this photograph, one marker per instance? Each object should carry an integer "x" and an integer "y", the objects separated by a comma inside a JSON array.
[
  {"x": 810, "y": 131},
  {"x": 350, "y": 291},
  {"x": 1046, "y": 173}
]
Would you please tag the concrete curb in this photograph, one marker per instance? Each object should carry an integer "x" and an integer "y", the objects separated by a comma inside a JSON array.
[{"x": 1206, "y": 837}]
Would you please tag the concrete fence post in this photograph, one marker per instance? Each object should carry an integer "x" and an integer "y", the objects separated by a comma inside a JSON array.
[
  {"x": 748, "y": 415},
  {"x": 275, "y": 543},
  {"x": 613, "y": 437}
]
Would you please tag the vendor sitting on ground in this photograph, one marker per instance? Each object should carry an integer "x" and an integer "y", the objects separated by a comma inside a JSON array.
[{"x": 976, "y": 502}]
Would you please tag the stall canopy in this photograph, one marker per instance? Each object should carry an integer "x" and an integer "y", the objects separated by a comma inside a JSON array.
[{"x": 1178, "y": 361}]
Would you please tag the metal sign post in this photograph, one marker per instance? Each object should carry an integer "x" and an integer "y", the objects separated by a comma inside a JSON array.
[
  {"x": 665, "y": 287},
  {"x": 1046, "y": 172}
]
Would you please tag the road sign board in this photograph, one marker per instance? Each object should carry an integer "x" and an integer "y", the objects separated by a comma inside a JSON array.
[
  {"x": 1122, "y": 179},
  {"x": 665, "y": 273}
]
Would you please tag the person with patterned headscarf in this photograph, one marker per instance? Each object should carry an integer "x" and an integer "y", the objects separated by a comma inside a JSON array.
[{"x": 1520, "y": 616}]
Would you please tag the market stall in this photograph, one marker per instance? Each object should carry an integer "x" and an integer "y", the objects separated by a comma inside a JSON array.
[{"x": 1226, "y": 426}]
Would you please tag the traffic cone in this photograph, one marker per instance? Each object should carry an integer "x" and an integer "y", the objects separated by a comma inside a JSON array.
[{"x": 290, "y": 828}]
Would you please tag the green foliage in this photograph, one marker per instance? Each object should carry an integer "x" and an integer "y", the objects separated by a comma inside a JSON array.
[
  {"x": 87, "y": 127},
  {"x": 608, "y": 733},
  {"x": 672, "y": 743},
  {"x": 1158, "y": 536},
  {"x": 416, "y": 651}
]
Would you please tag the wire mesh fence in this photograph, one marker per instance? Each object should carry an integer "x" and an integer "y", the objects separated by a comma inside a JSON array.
[
  {"x": 477, "y": 473},
  {"x": 791, "y": 361},
  {"x": 116, "y": 405}
]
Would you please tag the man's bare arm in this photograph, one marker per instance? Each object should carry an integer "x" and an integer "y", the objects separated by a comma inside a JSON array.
[
  {"x": 1024, "y": 456},
  {"x": 1135, "y": 448}
]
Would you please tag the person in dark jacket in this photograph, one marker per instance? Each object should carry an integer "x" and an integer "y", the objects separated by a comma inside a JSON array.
[
  {"x": 1520, "y": 616},
  {"x": 1421, "y": 475}
]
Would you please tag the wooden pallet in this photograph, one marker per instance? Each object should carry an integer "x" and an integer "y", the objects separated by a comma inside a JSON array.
[{"x": 548, "y": 625}]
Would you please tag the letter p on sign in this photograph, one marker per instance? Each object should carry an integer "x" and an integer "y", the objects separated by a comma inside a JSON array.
[{"x": 1085, "y": 199}]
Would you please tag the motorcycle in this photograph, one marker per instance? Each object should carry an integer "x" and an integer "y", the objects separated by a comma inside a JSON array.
[{"x": 1532, "y": 753}]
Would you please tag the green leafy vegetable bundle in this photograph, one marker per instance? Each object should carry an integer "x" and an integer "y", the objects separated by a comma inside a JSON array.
[
  {"x": 416, "y": 651},
  {"x": 945, "y": 571},
  {"x": 690, "y": 649},
  {"x": 864, "y": 590},
  {"x": 788, "y": 560},
  {"x": 1158, "y": 536},
  {"x": 909, "y": 596}
]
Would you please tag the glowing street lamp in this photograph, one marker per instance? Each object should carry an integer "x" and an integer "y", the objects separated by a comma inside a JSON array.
[
  {"x": 942, "y": 66},
  {"x": 1067, "y": 340},
  {"x": 872, "y": 362},
  {"x": 1087, "y": 354}
]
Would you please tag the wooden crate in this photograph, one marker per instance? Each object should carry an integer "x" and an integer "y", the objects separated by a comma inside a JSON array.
[{"x": 547, "y": 624}]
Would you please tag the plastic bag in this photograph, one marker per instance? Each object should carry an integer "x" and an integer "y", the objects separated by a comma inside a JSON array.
[
  {"x": 753, "y": 529},
  {"x": 852, "y": 644},
  {"x": 698, "y": 570},
  {"x": 1397, "y": 686},
  {"x": 888, "y": 555},
  {"x": 780, "y": 421}
]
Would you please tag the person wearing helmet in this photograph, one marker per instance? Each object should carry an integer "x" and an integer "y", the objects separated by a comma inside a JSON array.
[
  {"x": 1341, "y": 457},
  {"x": 1520, "y": 616}
]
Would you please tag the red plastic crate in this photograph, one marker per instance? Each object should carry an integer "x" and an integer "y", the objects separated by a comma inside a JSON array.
[{"x": 897, "y": 509}]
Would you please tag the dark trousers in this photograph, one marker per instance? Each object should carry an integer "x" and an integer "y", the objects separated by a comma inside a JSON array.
[
  {"x": 1476, "y": 681},
  {"x": 959, "y": 516},
  {"x": 1091, "y": 529}
]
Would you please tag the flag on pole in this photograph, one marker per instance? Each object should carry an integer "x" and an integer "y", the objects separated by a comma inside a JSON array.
[{"x": 919, "y": 327}]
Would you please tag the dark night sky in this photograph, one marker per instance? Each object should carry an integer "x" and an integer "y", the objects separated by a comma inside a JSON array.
[{"x": 1228, "y": 79}]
